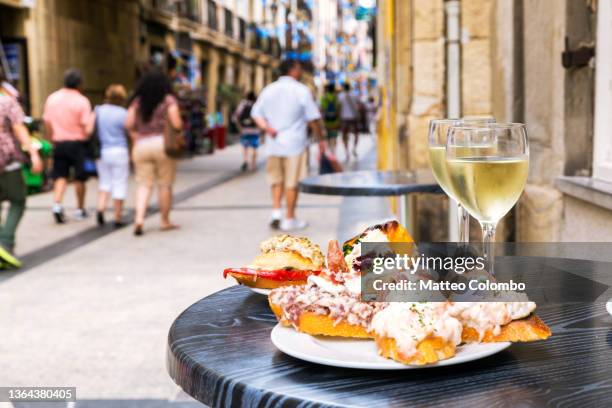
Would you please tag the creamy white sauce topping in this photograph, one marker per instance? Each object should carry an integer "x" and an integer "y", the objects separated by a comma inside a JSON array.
[
  {"x": 375, "y": 235},
  {"x": 352, "y": 285},
  {"x": 409, "y": 323},
  {"x": 484, "y": 316},
  {"x": 326, "y": 285}
]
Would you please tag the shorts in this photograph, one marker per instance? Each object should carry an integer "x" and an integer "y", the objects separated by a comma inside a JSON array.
[
  {"x": 113, "y": 171},
  {"x": 151, "y": 163},
  {"x": 349, "y": 125},
  {"x": 67, "y": 156},
  {"x": 287, "y": 171},
  {"x": 251, "y": 140},
  {"x": 332, "y": 134}
]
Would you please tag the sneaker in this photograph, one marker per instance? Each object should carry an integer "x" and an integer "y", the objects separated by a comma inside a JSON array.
[
  {"x": 100, "y": 218},
  {"x": 80, "y": 214},
  {"x": 138, "y": 230},
  {"x": 58, "y": 213},
  {"x": 276, "y": 219},
  {"x": 8, "y": 258},
  {"x": 244, "y": 167},
  {"x": 292, "y": 224}
]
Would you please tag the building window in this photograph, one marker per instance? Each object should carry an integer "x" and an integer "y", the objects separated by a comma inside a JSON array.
[
  {"x": 213, "y": 23},
  {"x": 229, "y": 22},
  {"x": 602, "y": 147},
  {"x": 242, "y": 27}
]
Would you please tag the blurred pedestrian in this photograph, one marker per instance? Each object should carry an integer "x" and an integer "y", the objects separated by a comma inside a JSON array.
[
  {"x": 14, "y": 141},
  {"x": 349, "y": 116},
  {"x": 284, "y": 110},
  {"x": 249, "y": 132},
  {"x": 330, "y": 108},
  {"x": 371, "y": 110},
  {"x": 113, "y": 164},
  {"x": 152, "y": 108},
  {"x": 66, "y": 114}
]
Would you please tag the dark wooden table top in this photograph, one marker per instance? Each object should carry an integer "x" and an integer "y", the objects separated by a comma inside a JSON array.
[
  {"x": 219, "y": 352},
  {"x": 371, "y": 183}
]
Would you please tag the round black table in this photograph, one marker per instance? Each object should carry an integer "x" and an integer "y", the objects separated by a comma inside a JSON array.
[
  {"x": 400, "y": 184},
  {"x": 220, "y": 353}
]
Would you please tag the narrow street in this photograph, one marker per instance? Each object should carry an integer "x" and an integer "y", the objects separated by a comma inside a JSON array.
[{"x": 87, "y": 312}]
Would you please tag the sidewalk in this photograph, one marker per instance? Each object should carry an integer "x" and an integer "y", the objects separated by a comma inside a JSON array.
[{"x": 95, "y": 312}]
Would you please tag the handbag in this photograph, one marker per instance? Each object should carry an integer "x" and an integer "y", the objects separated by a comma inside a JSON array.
[
  {"x": 174, "y": 140},
  {"x": 329, "y": 164},
  {"x": 94, "y": 147}
]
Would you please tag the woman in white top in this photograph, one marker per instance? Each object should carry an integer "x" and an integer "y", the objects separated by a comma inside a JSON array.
[{"x": 113, "y": 166}]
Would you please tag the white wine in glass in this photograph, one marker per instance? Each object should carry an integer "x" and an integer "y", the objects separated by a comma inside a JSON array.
[
  {"x": 488, "y": 187},
  {"x": 487, "y": 169},
  {"x": 438, "y": 130}
]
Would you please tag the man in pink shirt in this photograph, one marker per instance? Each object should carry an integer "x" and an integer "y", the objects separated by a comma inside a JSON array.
[{"x": 66, "y": 114}]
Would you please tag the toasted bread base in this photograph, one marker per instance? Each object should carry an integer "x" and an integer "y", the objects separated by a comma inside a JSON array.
[
  {"x": 430, "y": 350},
  {"x": 283, "y": 260},
  {"x": 264, "y": 283},
  {"x": 322, "y": 325},
  {"x": 531, "y": 328}
]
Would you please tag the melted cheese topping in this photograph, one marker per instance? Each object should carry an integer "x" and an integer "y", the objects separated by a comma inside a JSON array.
[
  {"x": 409, "y": 323},
  {"x": 483, "y": 316},
  {"x": 302, "y": 246}
]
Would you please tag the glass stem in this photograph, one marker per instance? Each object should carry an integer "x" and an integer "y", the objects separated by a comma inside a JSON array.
[
  {"x": 488, "y": 239},
  {"x": 464, "y": 224}
]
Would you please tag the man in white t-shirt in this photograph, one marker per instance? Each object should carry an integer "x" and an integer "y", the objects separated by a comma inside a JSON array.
[
  {"x": 284, "y": 111},
  {"x": 349, "y": 118}
]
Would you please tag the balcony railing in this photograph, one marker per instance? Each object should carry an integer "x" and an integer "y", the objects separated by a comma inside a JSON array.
[
  {"x": 168, "y": 6},
  {"x": 189, "y": 9}
]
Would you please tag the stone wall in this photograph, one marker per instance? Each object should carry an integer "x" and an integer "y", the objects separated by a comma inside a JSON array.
[{"x": 100, "y": 38}]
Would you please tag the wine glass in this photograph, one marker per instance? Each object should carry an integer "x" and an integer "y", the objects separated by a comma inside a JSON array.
[
  {"x": 487, "y": 170},
  {"x": 438, "y": 130}
]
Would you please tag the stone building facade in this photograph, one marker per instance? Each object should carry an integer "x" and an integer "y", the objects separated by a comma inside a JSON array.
[
  {"x": 110, "y": 41},
  {"x": 512, "y": 66}
]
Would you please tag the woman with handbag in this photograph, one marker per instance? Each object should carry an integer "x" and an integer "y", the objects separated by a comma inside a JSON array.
[
  {"x": 111, "y": 149},
  {"x": 155, "y": 126}
]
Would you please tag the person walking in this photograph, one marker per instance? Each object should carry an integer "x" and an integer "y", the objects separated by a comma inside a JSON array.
[
  {"x": 249, "y": 132},
  {"x": 349, "y": 116},
  {"x": 66, "y": 114},
  {"x": 371, "y": 110},
  {"x": 152, "y": 108},
  {"x": 14, "y": 140},
  {"x": 108, "y": 124},
  {"x": 284, "y": 110},
  {"x": 330, "y": 108}
]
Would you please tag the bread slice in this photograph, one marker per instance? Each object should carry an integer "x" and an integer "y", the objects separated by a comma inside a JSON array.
[
  {"x": 530, "y": 328},
  {"x": 283, "y": 260},
  {"x": 322, "y": 325},
  {"x": 430, "y": 350},
  {"x": 253, "y": 281}
]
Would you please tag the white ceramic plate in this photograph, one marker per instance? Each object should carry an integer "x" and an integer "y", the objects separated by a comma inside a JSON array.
[
  {"x": 260, "y": 291},
  {"x": 354, "y": 353},
  {"x": 609, "y": 306}
]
